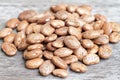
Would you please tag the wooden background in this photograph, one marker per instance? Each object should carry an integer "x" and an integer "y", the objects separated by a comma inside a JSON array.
[{"x": 12, "y": 68}]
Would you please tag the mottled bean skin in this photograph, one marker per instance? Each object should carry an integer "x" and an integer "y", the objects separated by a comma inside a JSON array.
[{"x": 46, "y": 68}]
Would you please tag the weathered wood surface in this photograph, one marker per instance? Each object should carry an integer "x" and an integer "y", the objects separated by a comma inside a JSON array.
[{"x": 12, "y": 68}]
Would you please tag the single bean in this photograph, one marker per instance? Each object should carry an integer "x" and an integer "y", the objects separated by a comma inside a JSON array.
[
  {"x": 107, "y": 28},
  {"x": 35, "y": 46},
  {"x": 72, "y": 8},
  {"x": 92, "y": 34},
  {"x": 62, "y": 31},
  {"x": 47, "y": 30},
  {"x": 25, "y": 15},
  {"x": 12, "y": 23},
  {"x": 9, "y": 48},
  {"x": 100, "y": 17},
  {"x": 56, "y": 8},
  {"x": 48, "y": 54},
  {"x": 50, "y": 47},
  {"x": 91, "y": 59},
  {"x": 4, "y": 32},
  {"x": 59, "y": 62},
  {"x": 75, "y": 32},
  {"x": 87, "y": 43},
  {"x": 70, "y": 59},
  {"x": 93, "y": 50},
  {"x": 32, "y": 54},
  {"x": 80, "y": 53},
  {"x": 10, "y": 38},
  {"x": 46, "y": 68},
  {"x": 102, "y": 39},
  {"x": 60, "y": 73},
  {"x": 114, "y": 37},
  {"x": 35, "y": 38},
  {"x": 105, "y": 51},
  {"x": 78, "y": 67},
  {"x": 63, "y": 52},
  {"x": 71, "y": 42},
  {"x": 19, "y": 38},
  {"x": 57, "y": 23},
  {"x": 34, "y": 63},
  {"x": 50, "y": 38},
  {"x": 22, "y": 25}
]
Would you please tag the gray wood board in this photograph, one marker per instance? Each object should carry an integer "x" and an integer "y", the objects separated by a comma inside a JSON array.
[{"x": 12, "y": 68}]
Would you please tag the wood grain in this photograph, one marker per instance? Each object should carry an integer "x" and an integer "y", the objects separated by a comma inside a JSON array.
[{"x": 12, "y": 68}]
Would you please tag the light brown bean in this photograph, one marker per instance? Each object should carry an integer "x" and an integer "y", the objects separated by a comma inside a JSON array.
[
  {"x": 98, "y": 24},
  {"x": 88, "y": 18},
  {"x": 78, "y": 67},
  {"x": 36, "y": 28},
  {"x": 35, "y": 18},
  {"x": 61, "y": 38},
  {"x": 35, "y": 46},
  {"x": 57, "y": 23},
  {"x": 76, "y": 22},
  {"x": 72, "y": 8},
  {"x": 33, "y": 63},
  {"x": 88, "y": 7},
  {"x": 35, "y": 38},
  {"x": 70, "y": 59},
  {"x": 12, "y": 23},
  {"x": 100, "y": 17},
  {"x": 87, "y": 43},
  {"x": 60, "y": 73},
  {"x": 91, "y": 59},
  {"x": 9, "y": 48},
  {"x": 4, "y": 32},
  {"x": 50, "y": 47},
  {"x": 63, "y": 52},
  {"x": 47, "y": 30},
  {"x": 115, "y": 26},
  {"x": 23, "y": 45},
  {"x": 83, "y": 11},
  {"x": 93, "y": 50},
  {"x": 59, "y": 62},
  {"x": 57, "y": 44},
  {"x": 32, "y": 54},
  {"x": 46, "y": 68},
  {"x": 46, "y": 17},
  {"x": 74, "y": 15},
  {"x": 102, "y": 39},
  {"x": 80, "y": 53},
  {"x": 62, "y": 31},
  {"x": 107, "y": 28},
  {"x": 50, "y": 38},
  {"x": 22, "y": 25},
  {"x": 79, "y": 28},
  {"x": 56, "y": 8},
  {"x": 87, "y": 27},
  {"x": 19, "y": 38},
  {"x": 71, "y": 42},
  {"x": 29, "y": 28},
  {"x": 42, "y": 17},
  {"x": 75, "y": 32},
  {"x": 25, "y": 15},
  {"x": 10, "y": 38},
  {"x": 114, "y": 37},
  {"x": 62, "y": 15},
  {"x": 92, "y": 34},
  {"x": 105, "y": 51},
  {"x": 48, "y": 54}
]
